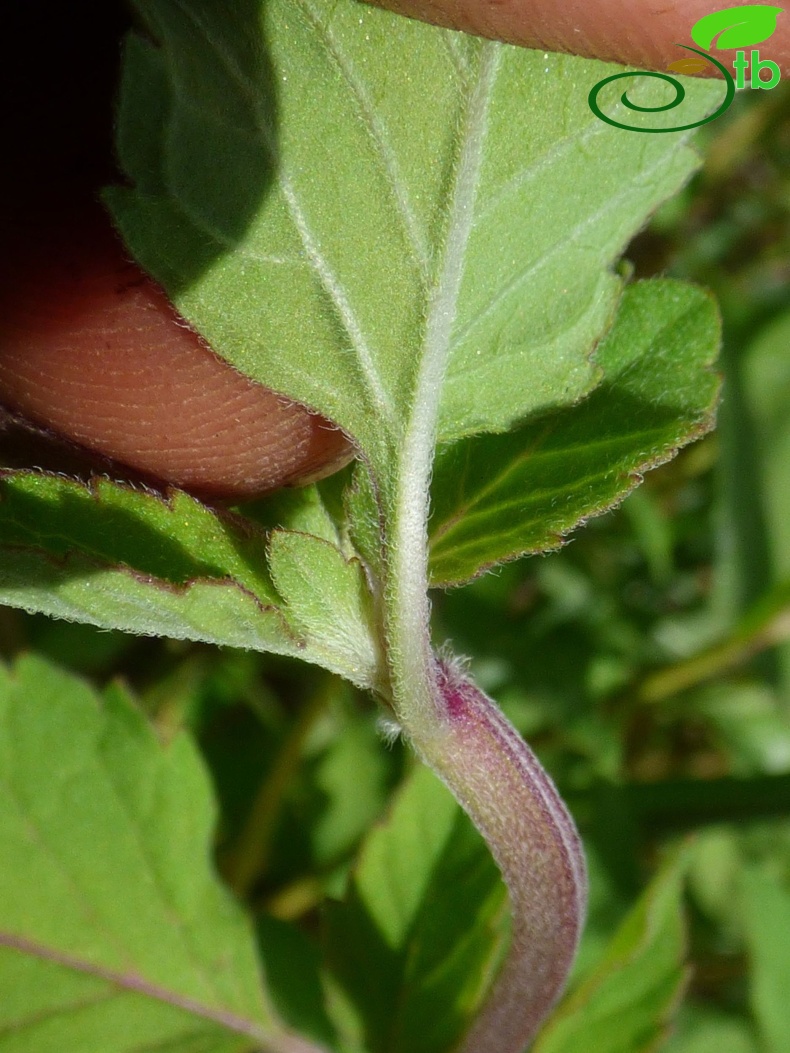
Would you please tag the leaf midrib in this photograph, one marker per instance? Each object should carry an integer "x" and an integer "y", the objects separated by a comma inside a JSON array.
[
  {"x": 137, "y": 984},
  {"x": 409, "y": 609}
]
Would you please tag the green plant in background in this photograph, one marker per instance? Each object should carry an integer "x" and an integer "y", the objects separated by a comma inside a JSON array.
[{"x": 416, "y": 234}]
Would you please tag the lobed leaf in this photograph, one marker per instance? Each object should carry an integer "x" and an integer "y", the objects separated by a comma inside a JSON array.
[{"x": 115, "y": 933}]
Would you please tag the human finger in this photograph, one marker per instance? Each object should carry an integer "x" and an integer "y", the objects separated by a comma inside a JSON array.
[
  {"x": 644, "y": 34},
  {"x": 91, "y": 348}
]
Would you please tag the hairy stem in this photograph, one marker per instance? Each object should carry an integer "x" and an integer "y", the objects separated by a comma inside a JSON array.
[
  {"x": 453, "y": 726},
  {"x": 510, "y": 798},
  {"x": 408, "y": 636}
]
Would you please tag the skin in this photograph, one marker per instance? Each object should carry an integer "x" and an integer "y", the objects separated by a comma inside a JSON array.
[
  {"x": 90, "y": 347},
  {"x": 642, "y": 33}
]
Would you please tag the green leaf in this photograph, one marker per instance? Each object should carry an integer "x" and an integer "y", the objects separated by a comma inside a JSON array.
[
  {"x": 497, "y": 497},
  {"x": 766, "y": 905},
  {"x": 129, "y": 559},
  {"x": 421, "y": 930},
  {"x": 115, "y": 933},
  {"x": 626, "y": 1003},
  {"x": 347, "y": 230},
  {"x": 413, "y": 232},
  {"x": 255, "y": 206},
  {"x": 736, "y": 27},
  {"x": 175, "y": 539},
  {"x": 326, "y": 597}
]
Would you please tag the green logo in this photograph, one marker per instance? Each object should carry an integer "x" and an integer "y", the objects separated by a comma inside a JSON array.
[{"x": 736, "y": 27}]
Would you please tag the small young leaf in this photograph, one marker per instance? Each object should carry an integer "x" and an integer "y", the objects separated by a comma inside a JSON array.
[
  {"x": 626, "y": 1004},
  {"x": 736, "y": 27},
  {"x": 326, "y": 598},
  {"x": 496, "y": 497},
  {"x": 115, "y": 933},
  {"x": 130, "y": 559}
]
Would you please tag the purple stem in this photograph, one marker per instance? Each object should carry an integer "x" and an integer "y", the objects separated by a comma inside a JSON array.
[{"x": 512, "y": 801}]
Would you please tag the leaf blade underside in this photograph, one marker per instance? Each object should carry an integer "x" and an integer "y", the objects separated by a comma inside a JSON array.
[
  {"x": 499, "y": 497},
  {"x": 347, "y": 234}
]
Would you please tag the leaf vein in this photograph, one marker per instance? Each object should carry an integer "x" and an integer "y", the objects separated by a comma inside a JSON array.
[
  {"x": 553, "y": 155},
  {"x": 460, "y": 65},
  {"x": 465, "y": 513},
  {"x": 534, "y": 266},
  {"x": 333, "y": 289},
  {"x": 377, "y": 132},
  {"x": 139, "y": 985}
]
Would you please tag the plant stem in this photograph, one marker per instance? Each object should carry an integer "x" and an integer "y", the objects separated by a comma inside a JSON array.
[
  {"x": 767, "y": 624},
  {"x": 452, "y": 725},
  {"x": 409, "y": 633},
  {"x": 514, "y": 804}
]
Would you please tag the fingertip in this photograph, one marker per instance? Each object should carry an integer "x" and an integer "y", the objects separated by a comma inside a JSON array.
[
  {"x": 645, "y": 35},
  {"x": 91, "y": 348}
]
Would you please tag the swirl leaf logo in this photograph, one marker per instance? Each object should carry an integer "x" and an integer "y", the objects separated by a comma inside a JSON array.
[{"x": 735, "y": 27}]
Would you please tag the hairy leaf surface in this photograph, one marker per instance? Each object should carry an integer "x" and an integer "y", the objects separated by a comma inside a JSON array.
[
  {"x": 115, "y": 933},
  {"x": 414, "y": 233},
  {"x": 130, "y": 559},
  {"x": 497, "y": 497},
  {"x": 295, "y": 193}
]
